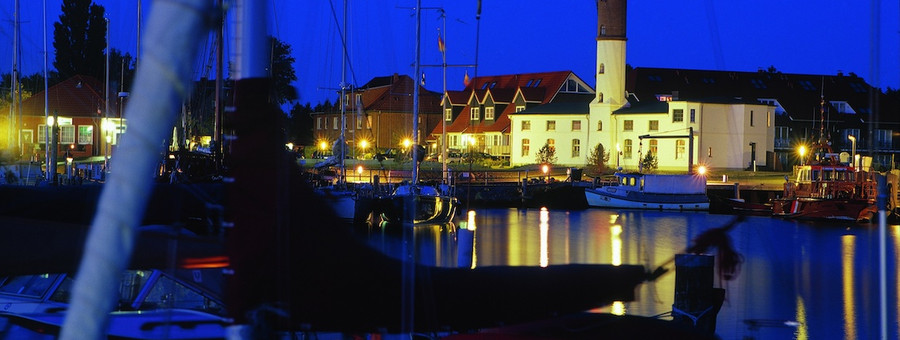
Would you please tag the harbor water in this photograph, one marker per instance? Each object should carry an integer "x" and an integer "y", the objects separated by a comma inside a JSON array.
[{"x": 798, "y": 280}]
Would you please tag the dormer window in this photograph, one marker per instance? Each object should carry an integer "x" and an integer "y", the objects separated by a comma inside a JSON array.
[
  {"x": 530, "y": 81},
  {"x": 485, "y": 86},
  {"x": 602, "y": 29},
  {"x": 537, "y": 82}
]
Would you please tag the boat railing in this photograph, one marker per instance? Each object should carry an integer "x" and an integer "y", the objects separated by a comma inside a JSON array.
[{"x": 604, "y": 182}]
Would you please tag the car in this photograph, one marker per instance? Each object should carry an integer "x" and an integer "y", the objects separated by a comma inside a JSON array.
[
  {"x": 478, "y": 156},
  {"x": 453, "y": 157},
  {"x": 387, "y": 154}
]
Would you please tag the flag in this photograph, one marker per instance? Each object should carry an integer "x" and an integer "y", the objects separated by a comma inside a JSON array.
[
  {"x": 441, "y": 46},
  {"x": 466, "y": 79}
]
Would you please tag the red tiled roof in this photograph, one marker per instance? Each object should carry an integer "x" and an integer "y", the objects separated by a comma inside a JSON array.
[
  {"x": 502, "y": 95},
  {"x": 79, "y": 96},
  {"x": 457, "y": 97},
  {"x": 535, "y": 87}
]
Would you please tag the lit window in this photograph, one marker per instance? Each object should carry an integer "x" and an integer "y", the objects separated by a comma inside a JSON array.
[
  {"x": 448, "y": 114},
  {"x": 576, "y": 148},
  {"x": 654, "y": 125},
  {"x": 576, "y": 125},
  {"x": 551, "y": 125},
  {"x": 526, "y": 125},
  {"x": 67, "y": 134},
  {"x": 626, "y": 151},
  {"x": 679, "y": 149},
  {"x": 489, "y": 113},
  {"x": 85, "y": 134},
  {"x": 599, "y": 126},
  {"x": 654, "y": 146},
  {"x": 677, "y": 116},
  {"x": 476, "y": 113},
  {"x": 526, "y": 146}
]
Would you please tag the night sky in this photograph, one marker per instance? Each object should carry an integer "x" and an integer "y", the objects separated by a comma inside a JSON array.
[{"x": 803, "y": 36}]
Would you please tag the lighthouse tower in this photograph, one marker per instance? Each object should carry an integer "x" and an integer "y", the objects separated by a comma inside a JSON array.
[{"x": 610, "y": 89}]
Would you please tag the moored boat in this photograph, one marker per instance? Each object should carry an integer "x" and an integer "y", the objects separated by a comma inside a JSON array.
[
  {"x": 828, "y": 190},
  {"x": 650, "y": 191},
  {"x": 152, "y": 304},
  {"x": 431, "y": 205}
]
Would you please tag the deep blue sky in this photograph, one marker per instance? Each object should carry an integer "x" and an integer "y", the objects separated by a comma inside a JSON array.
[{"x": 802, "y": 36}]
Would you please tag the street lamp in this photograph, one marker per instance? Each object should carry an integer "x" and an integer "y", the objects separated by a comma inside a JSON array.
[
  {"x": 618, "y": 153},
  {"x": 802, "y": 151},
  {"x": 363, "y": 144},
  {"x": 322, "y": 146},
  {"x": 852, "y": 139},
  {"x": 546, "y": 170}
]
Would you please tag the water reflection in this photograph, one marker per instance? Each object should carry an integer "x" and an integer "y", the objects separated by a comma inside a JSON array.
[
  {"x": 847, "y": 253},
  {"x": 798, "y": 280}
]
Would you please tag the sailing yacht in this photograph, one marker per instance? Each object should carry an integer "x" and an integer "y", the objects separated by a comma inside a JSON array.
[{"x": 337, "y": 192}]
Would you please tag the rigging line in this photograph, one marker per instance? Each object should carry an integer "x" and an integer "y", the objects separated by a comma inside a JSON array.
[
  {"x": 343, "y": 43},
  {"x": 714, "y": 34}
]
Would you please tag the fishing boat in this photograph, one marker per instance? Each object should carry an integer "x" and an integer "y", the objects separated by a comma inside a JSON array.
[
  {"x": 650, "y": 191},
  {"x": 828, "y": 190}
]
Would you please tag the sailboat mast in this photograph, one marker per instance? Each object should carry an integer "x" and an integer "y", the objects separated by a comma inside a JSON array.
[
  {"x": 15, "y": 109},
  {"x": 217, "y": 125},
  {"x": 343, "y": 96},
  {"x": 415, "y": 108},
  {"x": 444, "y": 172},
  {"x": 46, "y": 94}
]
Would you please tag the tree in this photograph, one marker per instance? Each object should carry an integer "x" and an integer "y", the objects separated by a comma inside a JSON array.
[
  {"x": 79, "y": 38},
  {"x": 300, "y": 124},
  {"x": 546, "y": 155},
  {"x": 649, "y": 163},
  {"x": 283, "y": 73},
  {"x": 598, "y": 158}
]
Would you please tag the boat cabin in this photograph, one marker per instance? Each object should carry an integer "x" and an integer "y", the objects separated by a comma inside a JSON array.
[{"x": 830, "y": 181}]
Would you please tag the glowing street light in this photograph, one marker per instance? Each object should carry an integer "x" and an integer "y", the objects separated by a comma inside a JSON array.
[
  {"x": 546, "y": 170},
  {"x": 701, "y": 170},
  {"x": 852, "y": 138},
  {"x": 802, "y": 151},
  {"x": 363, "y": 145},
  {"x": 406, "y": 143},
  {"x": 618, "y": 153}
]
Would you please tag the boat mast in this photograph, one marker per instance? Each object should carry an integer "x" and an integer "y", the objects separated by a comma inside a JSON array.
[
  {"x": 415, "y": 108},
  {"x": 46, "y": 95},
  {"x": 16, "y": 105},
  {"x": 217, "y": 125},
  {"x": 344, "y": 101}
]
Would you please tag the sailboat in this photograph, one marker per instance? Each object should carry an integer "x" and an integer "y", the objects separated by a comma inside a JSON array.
[
  {"x": 338, "y": 193},
  {"x": 415, "y": 202}
]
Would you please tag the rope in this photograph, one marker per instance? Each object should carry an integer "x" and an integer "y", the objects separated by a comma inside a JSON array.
[{"x": 688, "y": 315}]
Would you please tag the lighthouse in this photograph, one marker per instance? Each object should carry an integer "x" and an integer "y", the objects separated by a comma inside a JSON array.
[{"x": 610, "y": 72}]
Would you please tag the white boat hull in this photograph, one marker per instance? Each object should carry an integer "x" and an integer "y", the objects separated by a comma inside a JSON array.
[{"x": 612, "y": 197}]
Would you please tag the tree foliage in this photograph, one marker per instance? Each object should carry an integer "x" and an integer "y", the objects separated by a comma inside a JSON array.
[
  {"x": 599, "y": 157},
  {"x": 79, "y": 38},
  {"x": 282, "y": 67},
  {"x": 546, "y": 155},
  {"x": 649, "y": 163}
]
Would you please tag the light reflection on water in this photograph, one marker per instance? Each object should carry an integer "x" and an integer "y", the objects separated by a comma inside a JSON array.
[{"x": 798, "y": 280}]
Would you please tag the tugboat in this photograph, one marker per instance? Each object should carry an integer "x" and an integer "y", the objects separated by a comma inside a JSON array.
[
  {"x": 824, "y": 188},
  {"x": 827, "y": 189}
]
